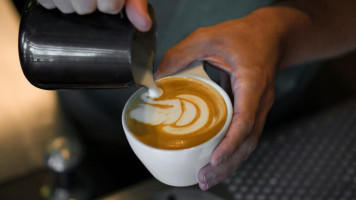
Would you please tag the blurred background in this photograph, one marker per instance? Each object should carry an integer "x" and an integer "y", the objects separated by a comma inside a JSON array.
[{"x": 33, "y": 127}]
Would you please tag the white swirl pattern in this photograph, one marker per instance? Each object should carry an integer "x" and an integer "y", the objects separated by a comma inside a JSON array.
[{"x": 185, "y": 114}]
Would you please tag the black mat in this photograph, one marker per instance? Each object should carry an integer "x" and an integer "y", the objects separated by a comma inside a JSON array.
[{"x": 308, "y": 160}]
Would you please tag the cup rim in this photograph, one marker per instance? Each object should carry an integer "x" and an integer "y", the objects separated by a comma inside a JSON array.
[{"x": 223, "y": 130}]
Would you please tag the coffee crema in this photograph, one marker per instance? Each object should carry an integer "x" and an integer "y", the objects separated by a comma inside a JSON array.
[{"x": 188, "y": 113}]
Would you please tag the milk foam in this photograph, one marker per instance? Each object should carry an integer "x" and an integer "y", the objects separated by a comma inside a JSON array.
[
  {"x": 184, "y": 114},
  {"x": 155, "y": 92}
]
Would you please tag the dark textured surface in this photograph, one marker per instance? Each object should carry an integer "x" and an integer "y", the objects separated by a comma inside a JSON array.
[
  {"x": 185, "y": 194},
  {"x": 312, "y": 159}
]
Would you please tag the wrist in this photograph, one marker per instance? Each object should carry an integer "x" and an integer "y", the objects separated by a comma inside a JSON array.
[{"x": 282, "y": 23}]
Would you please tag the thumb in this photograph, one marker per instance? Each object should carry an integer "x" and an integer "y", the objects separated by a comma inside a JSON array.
[
  {"x": 137, "y": 13},
  {"x": 181, "y": 55}
]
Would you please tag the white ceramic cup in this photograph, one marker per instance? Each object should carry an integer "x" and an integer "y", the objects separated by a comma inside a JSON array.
[{"x": 178, "y": 167}]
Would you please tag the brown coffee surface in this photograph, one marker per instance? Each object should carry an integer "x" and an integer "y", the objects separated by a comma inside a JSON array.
[{"x": 188, "y": 113}]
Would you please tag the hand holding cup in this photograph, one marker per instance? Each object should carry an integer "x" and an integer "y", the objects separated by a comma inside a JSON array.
[{"x": 174, "y": 135}]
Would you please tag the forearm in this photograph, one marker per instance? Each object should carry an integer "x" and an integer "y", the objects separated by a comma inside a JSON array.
[{"x": 311, "y": 30}]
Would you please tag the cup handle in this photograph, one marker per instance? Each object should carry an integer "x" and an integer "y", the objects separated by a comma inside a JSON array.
[{"x": 196, "y": 68}]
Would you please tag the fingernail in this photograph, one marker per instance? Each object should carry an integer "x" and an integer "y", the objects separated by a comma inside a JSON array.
[
  {"x": 210, "y": 180},
  {"x": 149, "y": 20},
  {"x": 209, "y": 176},
  {"x": 203, "y": 186},
  {"x": 211, "y": 183},
  {"x": 144, "y": 23},
  {"x": 220, "y": 160}
]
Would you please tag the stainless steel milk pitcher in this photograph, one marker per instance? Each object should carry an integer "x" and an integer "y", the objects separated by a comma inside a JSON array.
[{"x": 68, "y": 51}]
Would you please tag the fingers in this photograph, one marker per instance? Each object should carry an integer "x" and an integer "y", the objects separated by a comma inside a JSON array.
[
  {"x": 69, "y": 6},
  {"x": 110, "y": 6},
  {"x": 225, "y": 83},
  {"x": 83, "y": 7},
  {"x": 64, "y": 6},
  {"x": 214, "y": 174},
  {"x": 247, "y": 98},
  {"x": 47, "y": 4},
  {"x": 137, "y": 13},
  {"x": 210, "y": 175},
  {"x": 136, "y": 10}
]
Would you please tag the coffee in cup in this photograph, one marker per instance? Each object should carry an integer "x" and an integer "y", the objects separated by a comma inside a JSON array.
[
  {"x": 174, "y": 135},
  {"x": 187, "y": 114}
]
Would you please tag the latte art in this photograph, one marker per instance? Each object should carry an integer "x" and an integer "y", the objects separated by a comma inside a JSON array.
[
  {"x": 188, "y": 113},
  {"x": 185, "y": 114}
]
